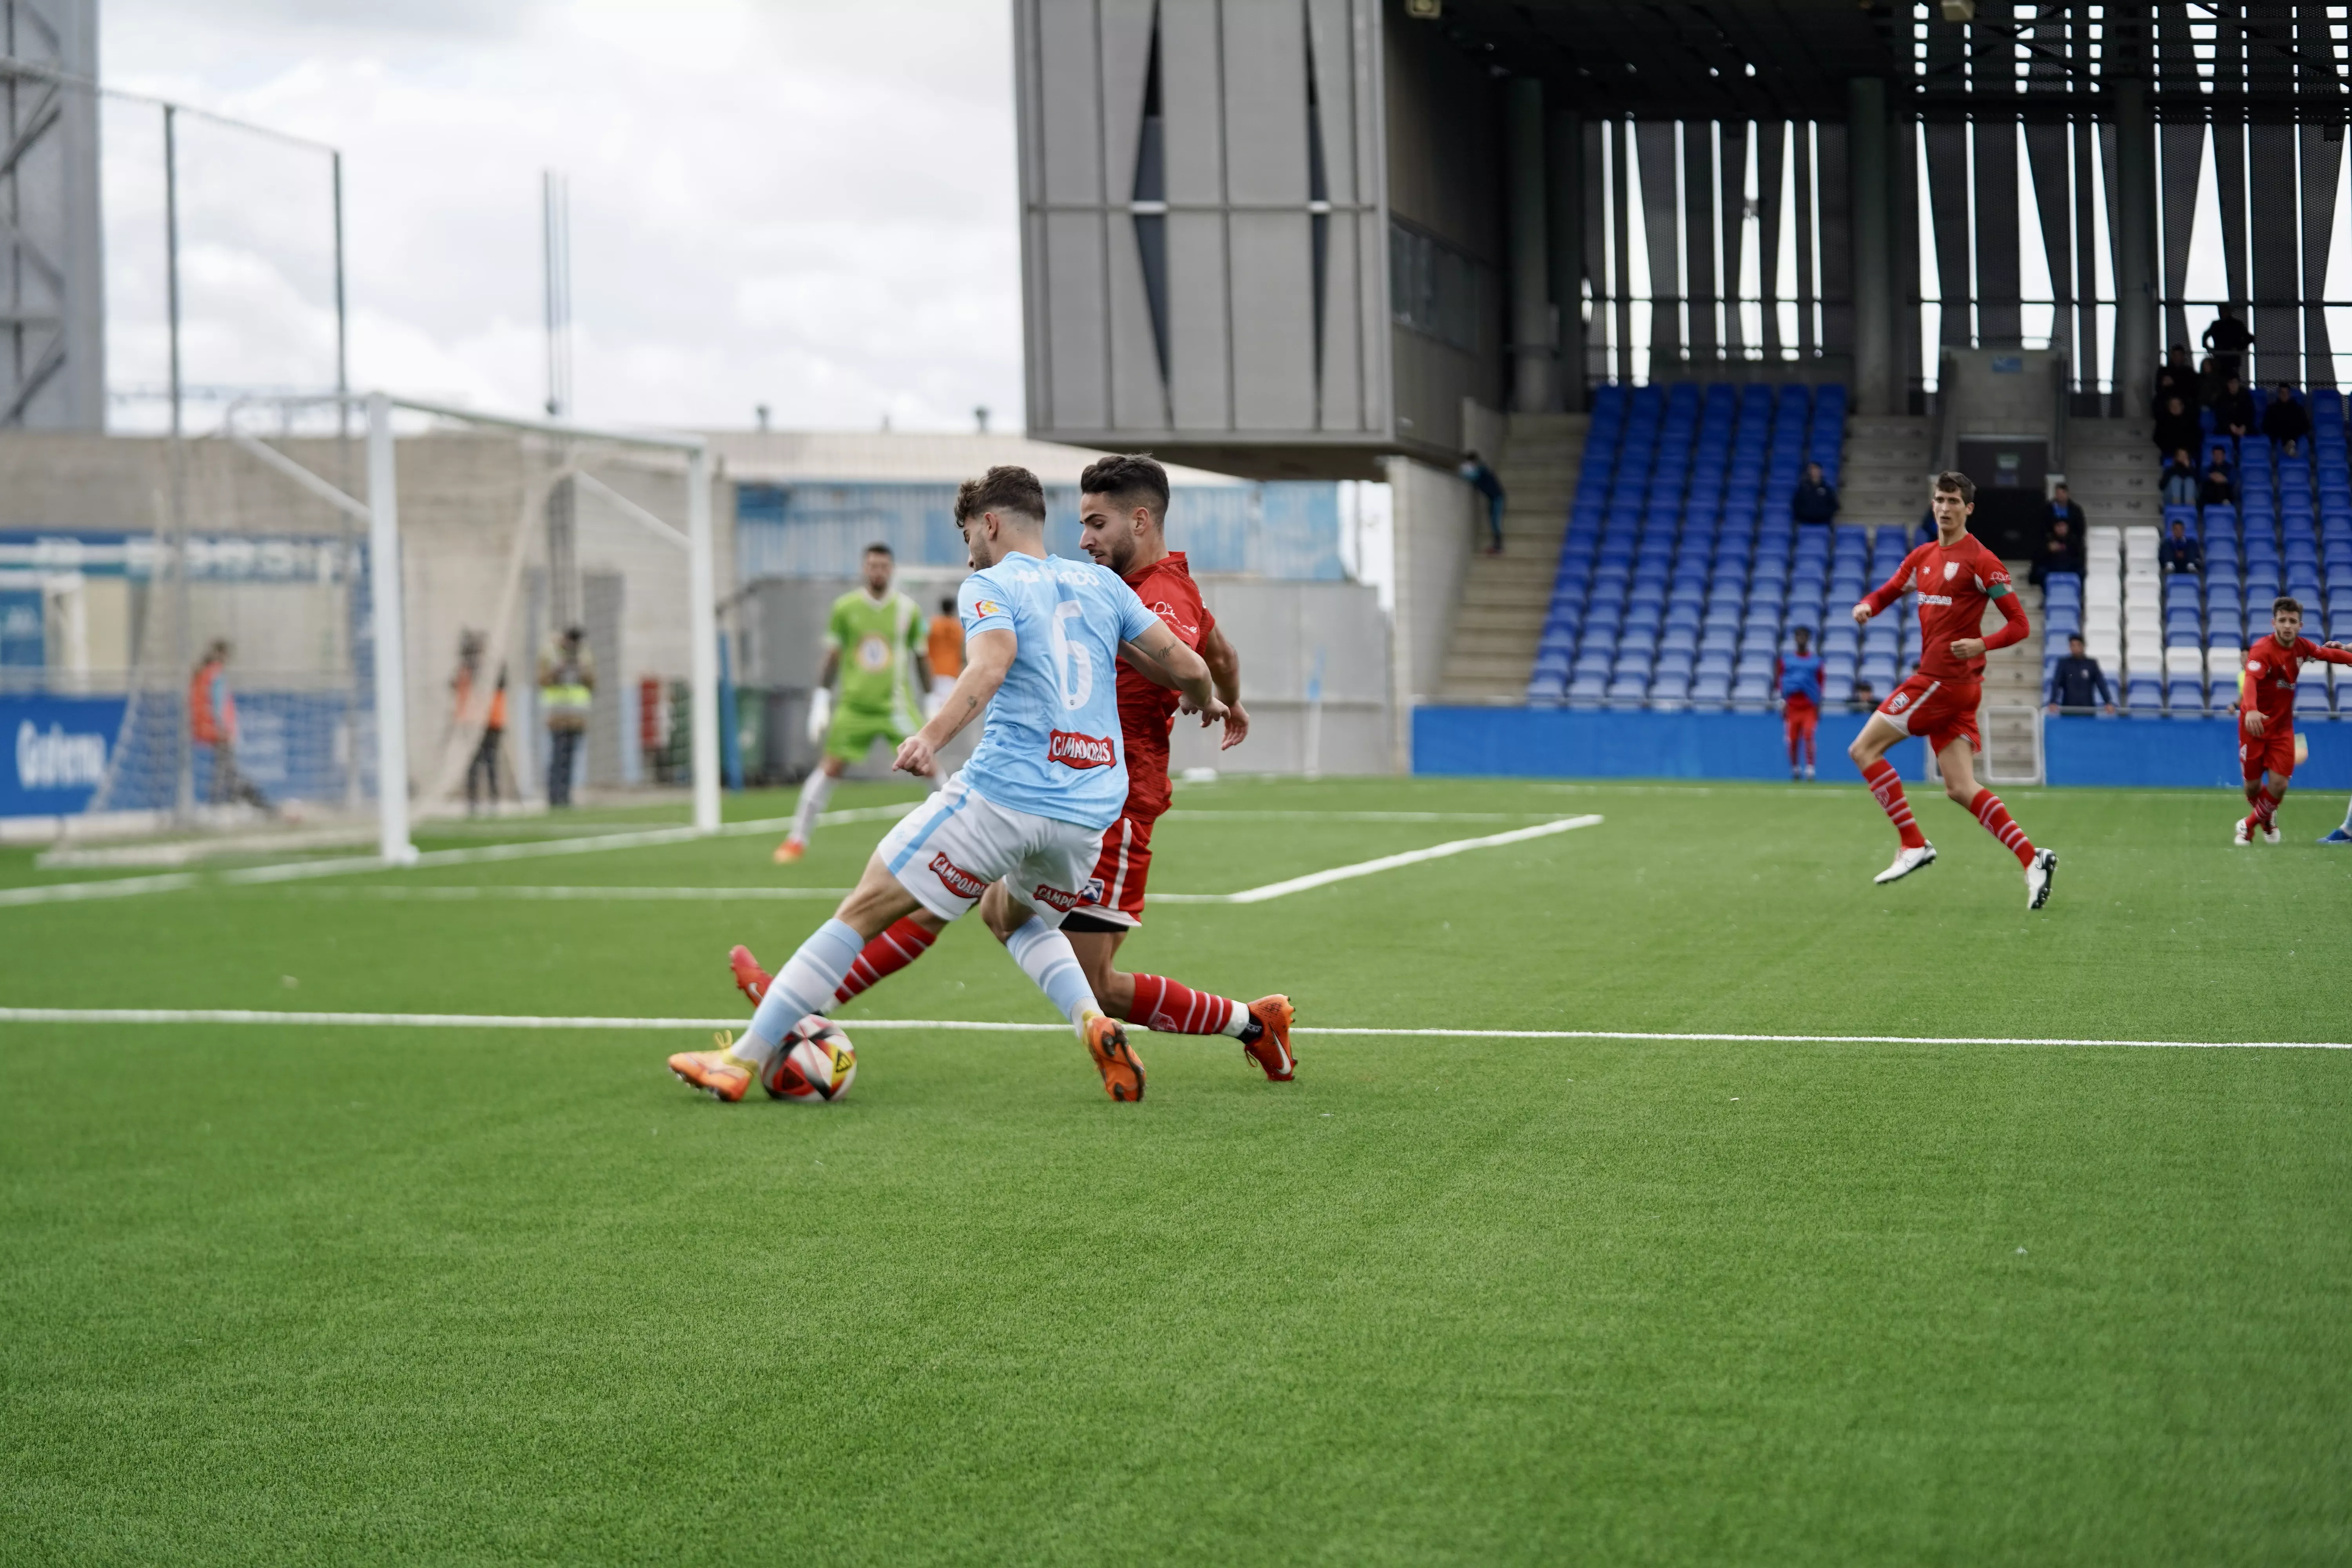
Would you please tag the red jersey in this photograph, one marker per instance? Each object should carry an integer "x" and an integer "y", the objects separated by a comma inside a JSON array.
[
  {"x": 1954, "y": 585},
  {"x": 2267, "y": 682},
  {"x": 1147, "y": 709}
]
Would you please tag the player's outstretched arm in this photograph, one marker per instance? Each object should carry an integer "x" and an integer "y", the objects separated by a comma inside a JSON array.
[
  {"x": 988, "y": 655},
  {"x": 1156, "y": 654},
  {"x": 1875, "y": 603},
  {"x": 1224, "y": 662}
]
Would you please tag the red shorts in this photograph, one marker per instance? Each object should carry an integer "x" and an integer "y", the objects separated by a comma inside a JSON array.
[
  {"x": 1116, "y": 893},
  {"x": 1798, "y": 714},
  {"x": 2271, "y": 752},
  {"x": 1942, "y": 711}
]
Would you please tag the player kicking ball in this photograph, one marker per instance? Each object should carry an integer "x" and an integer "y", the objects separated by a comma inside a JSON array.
[
  {"x": 1955, "y": 578},
  {"x": 1123, "y": 523},
  {"x": 1042, "y": 637},
  {"x": 885, "y": 636},
  {"x": 2266, "y": 737}
]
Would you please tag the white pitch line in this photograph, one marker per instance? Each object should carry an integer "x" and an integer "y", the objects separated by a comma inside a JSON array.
[
  {"x": 402, "y": 893},
  {"x": 1369, "y": 868},
  {"x": 971, "y": 1025}
]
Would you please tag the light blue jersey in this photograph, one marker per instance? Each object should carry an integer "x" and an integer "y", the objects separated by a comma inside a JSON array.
[{"x": 1051, "y": 744}]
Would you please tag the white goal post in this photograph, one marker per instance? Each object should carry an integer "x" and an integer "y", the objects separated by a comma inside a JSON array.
[{"x": 382, "y": 515}]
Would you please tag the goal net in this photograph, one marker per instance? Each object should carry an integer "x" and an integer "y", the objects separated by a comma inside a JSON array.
[{"x": 357, "y": 616}]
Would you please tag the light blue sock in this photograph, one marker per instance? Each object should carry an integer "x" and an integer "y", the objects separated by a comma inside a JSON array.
[
  {"x": 1044, "y": 955},
  {"x": 804, "y": 985}
]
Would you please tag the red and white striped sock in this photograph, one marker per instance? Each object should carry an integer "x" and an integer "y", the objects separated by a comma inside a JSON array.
[
  {"x": 1886, "y": 788},
  {"x": 2266, "y": 807},
  {"x": 887, "y": 955},
  {"x": 1988, "y": 809},
  {"x": 1168, "y": 1007}
]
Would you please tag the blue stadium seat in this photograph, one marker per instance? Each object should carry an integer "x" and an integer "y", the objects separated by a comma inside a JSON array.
[
  {"x": 2184, "y": 695},
  {"x": 2144, "y": 694},
  {"x": 2311, "y": 694},
  {"x": 1709, "y": 691}
]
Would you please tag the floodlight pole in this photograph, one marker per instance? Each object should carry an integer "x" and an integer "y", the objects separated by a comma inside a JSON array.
[
  {"x": 390, "y": 646},
  {"x": 343, "y": 339},
  {"x": 702, "y": 618}
]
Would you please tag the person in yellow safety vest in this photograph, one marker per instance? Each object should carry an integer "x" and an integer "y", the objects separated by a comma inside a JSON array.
[{"x": 567, "y": 680}]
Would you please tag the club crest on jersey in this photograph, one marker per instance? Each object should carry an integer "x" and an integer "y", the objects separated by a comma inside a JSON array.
[
  {"x": 1951, "y": 570},
  {"x": 1899, "y": 701},
  {"x": 955, "y": 878},
  {"x": 1073, "y": 749}
]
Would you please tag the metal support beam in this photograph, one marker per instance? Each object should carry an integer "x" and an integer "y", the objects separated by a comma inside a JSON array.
[
  {"x": 172, "y": 253},
  {"x": 1564, "y": 180},
  {"x": 702, "y": 631},
  {"x": 1533, "y": 341},
  {"x": 2135, "y": 247},
  {"x": 1874, "y": 299}
]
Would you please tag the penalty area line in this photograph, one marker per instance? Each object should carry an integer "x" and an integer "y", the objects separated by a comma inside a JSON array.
[
  {"x": 1370, "y": 867},
  {"x": 231, "y": 1016}
]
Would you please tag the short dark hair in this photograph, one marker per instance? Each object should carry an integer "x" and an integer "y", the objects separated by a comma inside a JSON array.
[
  {"x": 878, "y": 548},
  {"x": 2283, "y": 606},
  {"x": 947, "y": 604},
  {"x": 1004, "y": 488},
  {"x": 1134, "y": 478},
  {"x": 2073, "y": 637},
  {"x": 1959, "y": 483}
]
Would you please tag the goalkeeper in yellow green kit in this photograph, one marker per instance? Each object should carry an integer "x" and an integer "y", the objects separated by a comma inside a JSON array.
[{"x": 874, "y": 641}]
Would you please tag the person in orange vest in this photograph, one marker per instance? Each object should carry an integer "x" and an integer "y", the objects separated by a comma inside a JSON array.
[
  {"x": 483, "y": 768},
  {"x": 945, "y": 647},
  {"x": 212, "y": 724}
]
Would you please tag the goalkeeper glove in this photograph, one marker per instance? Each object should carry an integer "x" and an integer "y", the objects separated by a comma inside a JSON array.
[{"x": 820, "y": 715}]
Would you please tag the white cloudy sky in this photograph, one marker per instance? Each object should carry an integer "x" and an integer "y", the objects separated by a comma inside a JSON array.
[{"x": 804, "y": 204}]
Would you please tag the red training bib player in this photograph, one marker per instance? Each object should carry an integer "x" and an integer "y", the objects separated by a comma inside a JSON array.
[
  {"x": 2266, "y": 715},
  {"x": 1146, "y": 717}
]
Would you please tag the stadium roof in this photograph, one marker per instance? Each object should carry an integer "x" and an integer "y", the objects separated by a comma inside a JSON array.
[
  {"x": 871, "y": 456},
  {"x": 1771, "y": 59}
]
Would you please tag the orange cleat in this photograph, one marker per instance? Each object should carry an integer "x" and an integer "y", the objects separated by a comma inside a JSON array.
[
  {"x": 790, "y": 851},
  {"x": 1122, "y": 1069},
  {"x": 1271, "y": 1050},
  {"x": 749, "y": 978},
  {"x": 720, "y": 1074}
]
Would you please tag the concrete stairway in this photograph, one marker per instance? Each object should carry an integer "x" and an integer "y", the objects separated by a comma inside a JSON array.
[
  {"x": 2012, "y": 688},
  {"x": 2111, "y": 472},
  {"x": 1888, "y": 462},
  {"x": 1503, "y": 597}
]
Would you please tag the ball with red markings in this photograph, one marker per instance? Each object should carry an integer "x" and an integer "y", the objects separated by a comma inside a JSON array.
[{"x": 816, "y": 1066}]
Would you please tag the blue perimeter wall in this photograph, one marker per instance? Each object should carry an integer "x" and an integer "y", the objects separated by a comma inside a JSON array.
[{"x": 1567, "y": 742}]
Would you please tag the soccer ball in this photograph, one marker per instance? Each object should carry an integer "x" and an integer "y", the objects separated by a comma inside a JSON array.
[{"x": 816, "y": 1066}]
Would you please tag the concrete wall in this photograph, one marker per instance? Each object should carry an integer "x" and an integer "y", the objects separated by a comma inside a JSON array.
[{"x": 1432, "y": 524}]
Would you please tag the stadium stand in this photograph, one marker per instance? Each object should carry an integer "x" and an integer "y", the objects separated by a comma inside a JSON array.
[{"x": 1682, "y": 571}]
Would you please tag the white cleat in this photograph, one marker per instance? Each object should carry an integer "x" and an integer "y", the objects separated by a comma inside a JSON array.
[
  {"x": 2243, "y": 835},
  {"x": 2271, "y": 834},
  {"x": 1905, "y": 862},
  {"x": 2038, "y": 878}
]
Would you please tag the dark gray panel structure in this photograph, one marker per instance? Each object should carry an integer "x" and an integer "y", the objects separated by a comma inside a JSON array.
[{"x": 52, "y": 250}]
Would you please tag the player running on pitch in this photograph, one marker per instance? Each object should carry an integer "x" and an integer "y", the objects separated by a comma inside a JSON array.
[
  {"x": 1042, "y": 635},
  {"x": 885, "y": 637},
  {"x": 2266, "y": 716},
  {"x": 1122, "y": 519},
  {"x": 1955, "y": 577}
]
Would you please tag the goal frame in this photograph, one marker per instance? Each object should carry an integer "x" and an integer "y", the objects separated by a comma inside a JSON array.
[{"x": 380, "y": 512}]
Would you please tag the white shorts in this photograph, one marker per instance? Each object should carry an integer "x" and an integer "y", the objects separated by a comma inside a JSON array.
[{"x": 949, "y": 849}]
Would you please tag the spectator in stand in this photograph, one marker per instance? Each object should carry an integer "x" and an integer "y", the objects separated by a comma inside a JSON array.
[
  {"x": 2077, "y": 681},
  {"x": 2233, "y": 411},
  {"x": 2218, "y": 489},
  {"x": 1482, "y": 479},
  {"x": 2180, "y": 479},
  {"x": 1816, "y": 499},
  {"x": 2209, "y": 382},
  {"x": 2060, "y": 550},
  {"x": 1862, "y": 699},
  {"x": 2286, "y": 421},
  {"x": 2181, "y": 553},
  {"x": 1927, "y": 532},
  {"x": 2177, "y": 427},
  {"x": 2229, "y": 340},
  {"x": 2177, "y": 379}
]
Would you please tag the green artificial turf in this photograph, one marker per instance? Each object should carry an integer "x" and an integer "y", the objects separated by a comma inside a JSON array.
[{"x": 274, "y": 1294}]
